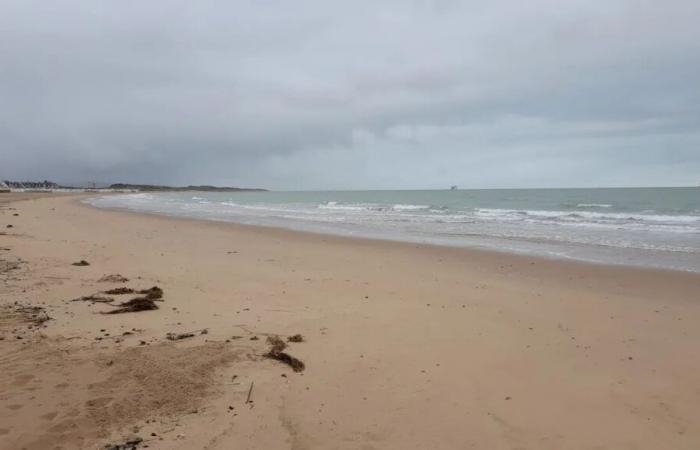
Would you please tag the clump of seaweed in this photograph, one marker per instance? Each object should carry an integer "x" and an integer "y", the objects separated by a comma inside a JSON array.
[
  {"x": 153, "y": 293},
  {"x": 119, "y": 291},
  {"x": 296, "y": 338},
  {"x": 277, "y": 352},
  {"x": 82, "y": 262},
  {"x": 134, "y": 305}
]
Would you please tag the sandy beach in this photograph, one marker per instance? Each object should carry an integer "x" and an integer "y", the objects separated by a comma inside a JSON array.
[{"x": 405, "y": 346}]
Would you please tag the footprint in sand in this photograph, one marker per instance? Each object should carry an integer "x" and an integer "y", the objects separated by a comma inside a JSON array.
[
  {"x": 49, "y": 416},
  {"x": 63, "y": 426},
  {"x": 4, "y": 431},
  {"x": 62, "y": 385},
  {"x": 21, "y": 380},
  {"x": 98, "y": 402},
  {"x": 15, "y": 407},
  {"x": 72, "y": 413}
]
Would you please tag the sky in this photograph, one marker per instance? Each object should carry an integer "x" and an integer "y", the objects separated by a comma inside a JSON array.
[{"x": 351, "y": 95}]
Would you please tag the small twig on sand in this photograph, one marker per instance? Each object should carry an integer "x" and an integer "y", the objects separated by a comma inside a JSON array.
[
  {"x": 250, "y": 392},
  {"x": 187, "y": 334},
  {"x": 94, "y": 299}
]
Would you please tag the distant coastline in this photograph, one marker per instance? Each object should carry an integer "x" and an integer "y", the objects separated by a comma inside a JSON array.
[
  {"x": 49, "y": 186},
  {"x": 161, "y": 188}
]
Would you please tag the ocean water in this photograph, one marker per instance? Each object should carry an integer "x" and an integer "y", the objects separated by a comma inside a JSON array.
[{"x": 657, "y": 227}]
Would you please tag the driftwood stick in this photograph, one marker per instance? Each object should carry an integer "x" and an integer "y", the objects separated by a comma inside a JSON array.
[
  {"x": 94, "y": 299},
  {"x": 186, "y": 334},
  {"x": 250, "y": 391}
]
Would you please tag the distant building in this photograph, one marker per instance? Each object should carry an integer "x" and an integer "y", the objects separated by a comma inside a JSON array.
[{"x": 31, "y": 185}]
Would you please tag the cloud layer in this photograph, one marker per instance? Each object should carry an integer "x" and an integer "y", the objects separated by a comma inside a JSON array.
[{"x": 367, "y": 94}]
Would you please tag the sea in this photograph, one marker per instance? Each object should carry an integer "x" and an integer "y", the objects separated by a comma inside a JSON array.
[{"x": 652, "y": 227}]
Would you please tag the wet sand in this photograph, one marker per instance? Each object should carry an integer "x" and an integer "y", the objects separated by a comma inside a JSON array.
[{"x": 406, "y": 346}]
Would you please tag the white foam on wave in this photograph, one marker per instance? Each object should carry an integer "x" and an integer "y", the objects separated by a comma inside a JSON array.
[
  {"x": 651, "y": 222},
  {"x": 350, "y": 206},
  {"x": 495, "y": 212},
  {"x": 594, "y": 205},
  {"x": 139, "y": 196},
  {"x": 400, "y": 207},
  {"x": 374, "y": 207}
]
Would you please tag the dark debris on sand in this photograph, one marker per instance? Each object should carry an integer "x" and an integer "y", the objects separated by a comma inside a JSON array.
[
  {"x": 82, "y": 262},
  {"x": 7, "y": 266},
  {"x": 296, "y": 338},
  {"x": 185, "y": 335},
  {"x": 114, "y": 278},
  {"x": 94, "y": 299},
  {"x": 154, "y": 293},
  {"x": 131, "y": 443},
  {"x": 35, "y": 315},
  {"x": 276, "y": 351},
  {"x": 178, "y": 336},
  {"x": 119, "y": 291},
  {"x": 134, "y": 305}
]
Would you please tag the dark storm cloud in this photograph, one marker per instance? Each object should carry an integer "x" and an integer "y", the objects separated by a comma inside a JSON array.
[{"x": 358, "y": 95}]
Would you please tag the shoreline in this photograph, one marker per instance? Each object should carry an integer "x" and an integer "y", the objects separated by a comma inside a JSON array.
[
  {"x": 406, "y": 345},
  {"x": 478, "y": 250}
]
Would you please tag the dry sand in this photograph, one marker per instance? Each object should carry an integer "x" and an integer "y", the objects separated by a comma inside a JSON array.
[{"x": 406, "y": 346}]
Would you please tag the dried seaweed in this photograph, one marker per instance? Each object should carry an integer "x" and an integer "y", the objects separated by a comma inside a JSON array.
[
  {"x": 276, "y": 351},
  {"x": 296, "y": 338},
  {"x": 134, "y": 305},
  {"x": 154, "y": 293},
  {"x": 119, "y": 291}
]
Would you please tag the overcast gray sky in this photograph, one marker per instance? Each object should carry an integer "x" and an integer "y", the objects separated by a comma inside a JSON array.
[{"x": 346, "y": 95}]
